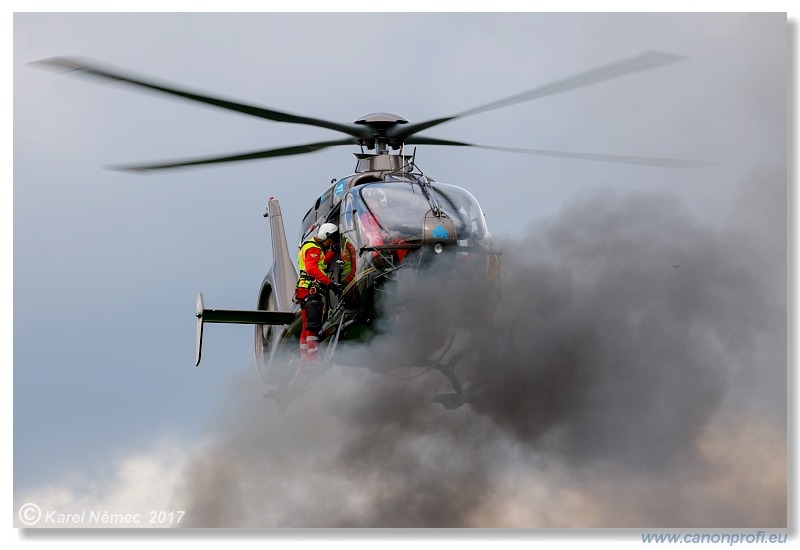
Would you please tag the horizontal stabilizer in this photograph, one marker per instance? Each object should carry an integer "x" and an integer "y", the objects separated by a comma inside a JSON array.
[
  {"x": 255, "y": 317},
  {"x": 246, "y": 317}
]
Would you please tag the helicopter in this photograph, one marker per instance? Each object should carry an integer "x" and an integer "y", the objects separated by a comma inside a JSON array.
[{"x": 397, "y": 222}]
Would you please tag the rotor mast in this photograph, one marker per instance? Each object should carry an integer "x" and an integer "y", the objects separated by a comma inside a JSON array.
[{"x": 381, "y": 142}]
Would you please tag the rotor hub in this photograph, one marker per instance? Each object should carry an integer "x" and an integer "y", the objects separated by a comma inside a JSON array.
[
  {"x": 381, "y": 120},
  {"x": 380, "y": 123}
]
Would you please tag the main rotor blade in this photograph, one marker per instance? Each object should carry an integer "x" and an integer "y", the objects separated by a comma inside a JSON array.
[
  {"x": 642, "y": 62},
  {"x": 85, "y": 69},
  {"x": 622, "y": 159},
  {"x": 281, "y": 152}
]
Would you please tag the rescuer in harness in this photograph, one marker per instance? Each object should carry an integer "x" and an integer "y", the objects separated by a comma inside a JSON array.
[{"x": 314, "y": 258}]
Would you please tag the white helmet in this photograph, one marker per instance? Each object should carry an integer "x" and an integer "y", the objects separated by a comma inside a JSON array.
[{"x": 327, "y": 231}]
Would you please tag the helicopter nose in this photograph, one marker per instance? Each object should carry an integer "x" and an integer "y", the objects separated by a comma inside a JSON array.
[{"x": 439, "y": 232}]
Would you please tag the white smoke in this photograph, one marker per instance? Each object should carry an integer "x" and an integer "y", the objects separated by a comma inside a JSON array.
[{"x": 133, "y": 491}]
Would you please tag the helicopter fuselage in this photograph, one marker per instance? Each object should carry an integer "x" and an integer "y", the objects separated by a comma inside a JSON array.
[{"x": 393, "y": 220}]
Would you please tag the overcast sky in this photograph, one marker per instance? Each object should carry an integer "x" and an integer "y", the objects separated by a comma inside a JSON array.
[{"x": 107, "y": 264}]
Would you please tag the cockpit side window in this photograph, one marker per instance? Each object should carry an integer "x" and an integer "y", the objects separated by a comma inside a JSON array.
[
  {"x": 347, "y": 213},
  {"x": 347, "y": 220}
]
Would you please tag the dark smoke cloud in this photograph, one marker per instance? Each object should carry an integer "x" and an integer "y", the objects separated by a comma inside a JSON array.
[
  {"x": 632, "y": 315},
  {"x": 624, "y": 350}
]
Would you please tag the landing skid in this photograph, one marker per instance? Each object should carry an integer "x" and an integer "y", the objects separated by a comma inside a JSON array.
[
  {"x": 464, "y": 395},
  {"x": 448, "y": 358},
  {"x": 300, "y": 375},
  {"x": 290, "y": 389}
]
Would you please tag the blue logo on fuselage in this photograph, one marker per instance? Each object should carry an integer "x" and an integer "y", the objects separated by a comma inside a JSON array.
[
  {"x": 439, "y": 232},
  {"x": 339, "y": 189}
]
